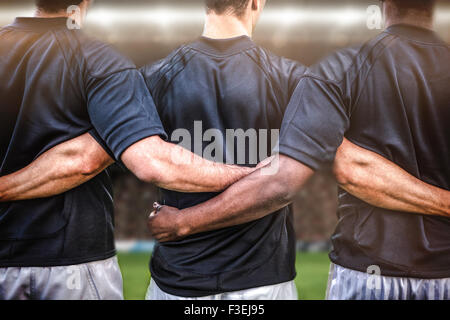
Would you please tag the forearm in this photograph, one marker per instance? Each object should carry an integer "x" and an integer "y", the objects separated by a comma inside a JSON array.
[
  {"x": 58, "y": 170},
  {"x": 181, "y": 170},
  {"x": 382, "y": 183},
  {"x": 41, "y": 179},
  {"x": 249, "y": 199},
  {"x": 171, "y": 167}
]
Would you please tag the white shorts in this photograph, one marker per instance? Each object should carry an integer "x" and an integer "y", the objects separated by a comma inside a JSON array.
[
  {"x": 347, "y": 284},
  {"x": 282, "y": 291},
  {"x": 98, "y": 280}
]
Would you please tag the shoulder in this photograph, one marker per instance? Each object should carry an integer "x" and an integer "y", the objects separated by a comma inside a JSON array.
[
  {"x": 6, "y": 29},
  {"x": 351, "y": 61},
  {"x": 165, "y": 67},
  {"x": 335, "y": 66},
  {"x": 101, "y": 59},
  {"x": 152, "y": 68},
  {"x": 278, "y": 65}
]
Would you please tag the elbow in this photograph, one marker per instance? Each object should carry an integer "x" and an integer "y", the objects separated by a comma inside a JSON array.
[
  {"x": 4, "y": 195},
  {"x": 283, "y": 190},
  {"x": 88, "y": 169},
  {"x": 343, "y": 174},
  {"x": 92, "y": 163},
  {"x": 347, "y": 162},
  {"x": 348, "y": 170},
  {"x": 286, "y": 197},
  {"x": 149, "y": 173},
  {"x": 446, "y": 203},
  {"x": 146, "y": 175},
  {"x": 290, "y": 178},
  {"x": 73, "y": 164},
  {"x": 90, "y": 166},
  {"x": 147, "y": 160}
]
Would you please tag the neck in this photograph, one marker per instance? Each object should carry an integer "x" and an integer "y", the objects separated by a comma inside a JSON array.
[
  {"x": 60, "y": 14},
  {"x": 226, "y": 26},
  {"x": 42, "y": 14},
  {"x": 418, "y": 20}
]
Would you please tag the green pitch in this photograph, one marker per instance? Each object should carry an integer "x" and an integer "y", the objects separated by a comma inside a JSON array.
[{"x": 312, "y": 270}]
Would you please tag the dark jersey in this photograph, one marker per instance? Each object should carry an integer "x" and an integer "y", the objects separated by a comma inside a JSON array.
[
  {"x": 56, "y": 85},
  {"x": 208, "y": 88},
  {"x": 390, "y": 96}
]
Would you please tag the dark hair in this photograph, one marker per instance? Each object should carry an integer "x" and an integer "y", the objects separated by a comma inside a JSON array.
[
  {"x": 237, "y": 7},
  {"x": 404, "y": 6},
  {"x": 56, "y": 5}
]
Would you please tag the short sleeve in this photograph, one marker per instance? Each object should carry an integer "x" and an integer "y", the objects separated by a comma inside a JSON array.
[
  {"x": 315, "y": 122},
  {"x": 122, "y": 110},
  {"x": 94, "y": 134}
]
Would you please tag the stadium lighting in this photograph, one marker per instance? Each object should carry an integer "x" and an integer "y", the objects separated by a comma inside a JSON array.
[
  {"x": 7, "y": 14},
  {"x": 443, "y": 16},
  {"x": 163, "y": 16},
  {"x": 297, "y": 15}
]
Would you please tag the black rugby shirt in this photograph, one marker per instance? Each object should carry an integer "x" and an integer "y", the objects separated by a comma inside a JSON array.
[
  {"x": 391, "y": 96},
  {"x": 225, "y": 84},
  {"x": 57, "y": 84}
]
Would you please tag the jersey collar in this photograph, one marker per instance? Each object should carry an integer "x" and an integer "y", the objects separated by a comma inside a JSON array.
[
  {"x": 415, "y": 33},
  {"x": 224, "y": 47},
  {"x": 39, "y": 23}
]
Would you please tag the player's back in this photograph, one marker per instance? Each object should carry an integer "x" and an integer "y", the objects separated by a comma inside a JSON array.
[
  {"x": 50, "y": 78},
  {"x": 396, "y": 90},
  {"x": 224, "y": 99}
]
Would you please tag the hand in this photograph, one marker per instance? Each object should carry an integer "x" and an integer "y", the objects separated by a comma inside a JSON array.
[{"x": 165, "y": 224}]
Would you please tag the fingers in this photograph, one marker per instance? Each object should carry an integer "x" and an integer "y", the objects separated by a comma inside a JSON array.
[
  {"x": 157, "y": 206},
  {"x": 161, "y": 223},
  {"x": 159, "y": 234},
  {"x": 164, "y": 237}
]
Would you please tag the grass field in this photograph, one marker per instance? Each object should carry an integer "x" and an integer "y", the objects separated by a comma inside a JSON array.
[{"x": 312, "y": 274}]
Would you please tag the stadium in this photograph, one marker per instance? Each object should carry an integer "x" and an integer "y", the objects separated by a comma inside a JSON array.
[{"x": 302, "y": 30}]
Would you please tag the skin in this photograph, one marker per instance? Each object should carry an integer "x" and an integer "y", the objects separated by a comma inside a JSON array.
[
  {"x": 413, "y": 17},
  {"x": 364, "y": 174},
  {"x": 375, "y": 180},
  {"x": 372, "y": 178},
  {"x": 171, "y": 167},
  {"x": 79, "y": 19},
  {"x": 228, "y": 25},
  {"x": 62, "y": 168},
  {"x": 74, "y": 162},
  {"x": 152, "y": 160}
]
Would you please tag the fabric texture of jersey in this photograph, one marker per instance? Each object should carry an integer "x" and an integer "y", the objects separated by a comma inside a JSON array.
[
  {"x": 390, "y": 96},
  {"x": 56, "y": 85},
  {"x": 226, "y": 84}
]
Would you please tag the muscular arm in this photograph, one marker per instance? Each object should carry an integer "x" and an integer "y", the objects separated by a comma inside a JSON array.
[
  {"x": 171, "y": 167},
  {"x": 251, "y": 198},
  {"x": 62, "y": 168},
  {"x": 72, "y": 163},
  {"x": 363, "y": 173},
  {"x": 382, "y": 183}
]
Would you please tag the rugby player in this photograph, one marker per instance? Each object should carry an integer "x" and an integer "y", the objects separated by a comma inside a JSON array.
[
  {"x": 61, "y": 168},
  {"x": 57, "y": 85},
  {"x": 391, "y": 97}
]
